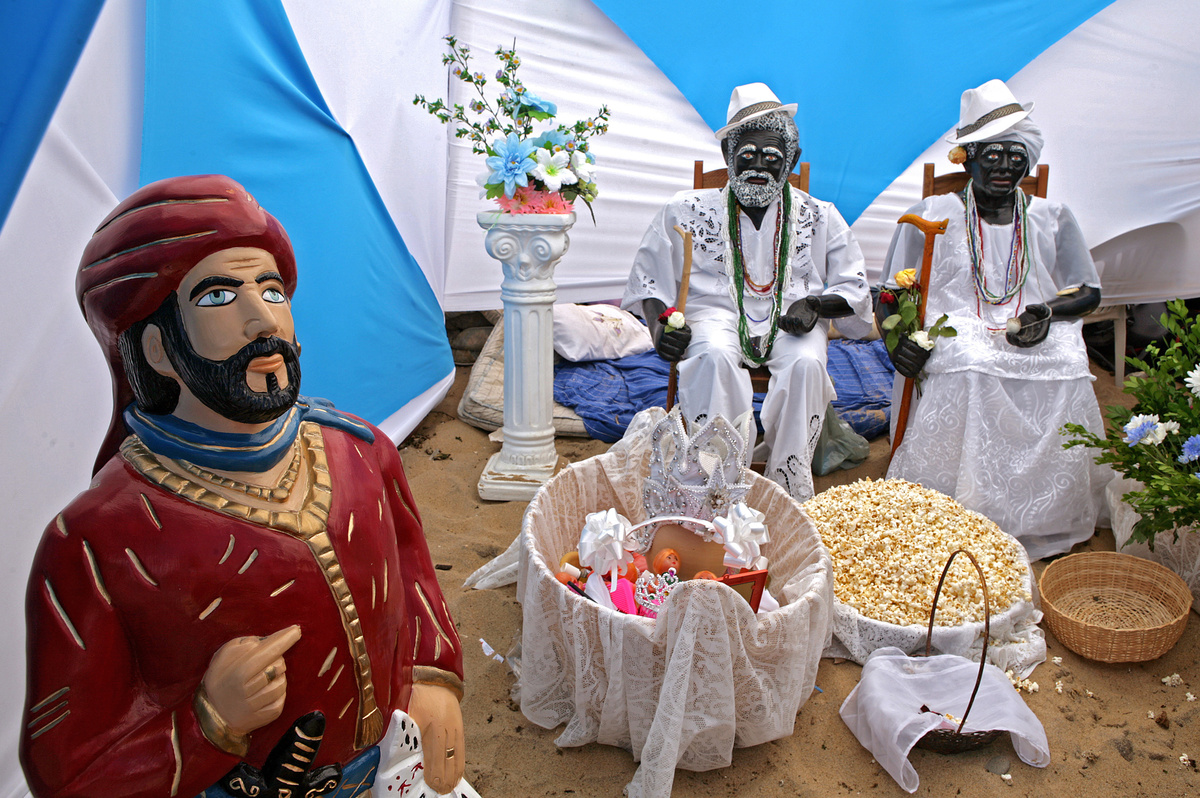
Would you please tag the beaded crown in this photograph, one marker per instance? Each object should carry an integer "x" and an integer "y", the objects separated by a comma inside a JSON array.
[{"x": 700, "y": 475}]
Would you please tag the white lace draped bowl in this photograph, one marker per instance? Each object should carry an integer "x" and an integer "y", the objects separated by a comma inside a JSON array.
[{"x": 733, "y": 678}]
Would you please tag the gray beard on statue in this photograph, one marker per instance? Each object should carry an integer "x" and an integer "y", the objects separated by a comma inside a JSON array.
[{"x": 752, "y": 195}]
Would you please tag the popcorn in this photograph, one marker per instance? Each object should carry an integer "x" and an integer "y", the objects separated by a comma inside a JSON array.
[
  {"x": 889, "y": 541},
  {"x": 1189, "y": 696},
  {"x": 1174, "y": 680},
  {"x": 1058, "y": 688},
  {"x": 1056, "y": 660}
]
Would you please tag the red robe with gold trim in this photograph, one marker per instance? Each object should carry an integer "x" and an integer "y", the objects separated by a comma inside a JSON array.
[{"x": 134, "y": 588}]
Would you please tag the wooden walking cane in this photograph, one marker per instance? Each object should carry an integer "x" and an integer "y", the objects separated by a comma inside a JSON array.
[
  {"x": 679, "y": 305},
  {"x": 932, "y": 230}
]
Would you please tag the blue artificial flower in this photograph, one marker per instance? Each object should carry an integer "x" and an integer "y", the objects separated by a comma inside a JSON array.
[
  {"x": 552, "y": 140},
  {"x": 530, "y": 100},
  {"x": 1138, "y": 428},
  {"x": 1191, "y": 449},
  {"x": 511, "y": 164}
]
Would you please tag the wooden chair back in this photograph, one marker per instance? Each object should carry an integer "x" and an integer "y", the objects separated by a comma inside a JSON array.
[{"x": 1034, "y": 184}]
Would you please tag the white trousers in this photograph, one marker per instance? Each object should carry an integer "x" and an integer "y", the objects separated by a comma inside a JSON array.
[{"x": 712, "y": 381}]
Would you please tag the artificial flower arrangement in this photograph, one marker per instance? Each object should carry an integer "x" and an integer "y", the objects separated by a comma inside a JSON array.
[
  {"x": 545, "y": 173},
  {"x": 1157, "y": 442},
  {"x": 907, "y": 298}
]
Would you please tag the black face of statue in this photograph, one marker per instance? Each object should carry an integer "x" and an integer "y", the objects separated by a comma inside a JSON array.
[
  {"x": 997, "y": 168},
  {"x": 759, "y": 167},
  {"x": 221, "y": 384}
]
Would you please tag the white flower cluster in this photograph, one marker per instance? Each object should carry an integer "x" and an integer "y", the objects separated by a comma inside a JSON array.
[
  {"x": 889, "y": 541},
  {"x": 1192, "y": 381}
]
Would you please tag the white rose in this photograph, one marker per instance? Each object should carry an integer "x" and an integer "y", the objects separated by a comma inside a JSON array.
[
  {"x": 922, "y": 339},
  {"x": 675, "y": 321}
]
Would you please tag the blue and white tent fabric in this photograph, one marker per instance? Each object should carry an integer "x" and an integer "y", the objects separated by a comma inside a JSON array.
[{"x": 309, "y": 104}]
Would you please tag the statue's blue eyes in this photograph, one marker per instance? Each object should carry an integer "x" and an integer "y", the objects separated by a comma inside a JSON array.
[{"x": 216, "y": 298}]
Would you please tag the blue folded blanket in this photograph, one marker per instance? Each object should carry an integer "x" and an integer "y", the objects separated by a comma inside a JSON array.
[{"x": 607, "y": 394}]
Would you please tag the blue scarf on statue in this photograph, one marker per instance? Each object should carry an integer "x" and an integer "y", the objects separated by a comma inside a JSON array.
[{"x": 229, "y": 451}]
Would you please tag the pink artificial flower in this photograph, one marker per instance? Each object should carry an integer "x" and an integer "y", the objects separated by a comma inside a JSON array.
[{"x": 556, "y": 204}]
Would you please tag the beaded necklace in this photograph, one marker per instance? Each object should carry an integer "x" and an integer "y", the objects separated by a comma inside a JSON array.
[
  {"x": 783, "y": 216},
  {"x": 1018, "y": 255}
]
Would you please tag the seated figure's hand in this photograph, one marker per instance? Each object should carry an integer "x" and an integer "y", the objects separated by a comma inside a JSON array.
[
  {"x": 671, "y": 345},
  {"x": 802, "y": 316},
  {"x": 909, "y": 357},
  {"x": 1034, "y": 324}
]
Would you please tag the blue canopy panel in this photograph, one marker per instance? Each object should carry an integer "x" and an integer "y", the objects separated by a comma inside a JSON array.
[
  {"x": 228, "y": 91},
  {"x": 876, "y": 82},
  {"x": 39, "y": 46}
]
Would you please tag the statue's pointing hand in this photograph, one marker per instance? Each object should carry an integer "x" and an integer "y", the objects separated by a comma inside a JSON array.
[{"x": 246, "y": 682}]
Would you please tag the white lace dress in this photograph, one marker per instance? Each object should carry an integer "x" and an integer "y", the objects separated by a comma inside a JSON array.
[
  {"x": 985, "y": 429},
  {"x": 824, "y": 259},
  {"x": 708, "y": 674}
]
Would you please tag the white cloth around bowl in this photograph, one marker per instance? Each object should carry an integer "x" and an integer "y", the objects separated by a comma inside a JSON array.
[{"x": 708, "y": 674}]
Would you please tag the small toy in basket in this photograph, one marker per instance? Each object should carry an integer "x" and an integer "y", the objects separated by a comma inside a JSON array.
[{"x": 902, "y": 701}]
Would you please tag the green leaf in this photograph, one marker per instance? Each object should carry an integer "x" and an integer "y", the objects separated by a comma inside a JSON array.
[
  {"x": 908, "y": 313},
  {"x": 890, "y": 322}
]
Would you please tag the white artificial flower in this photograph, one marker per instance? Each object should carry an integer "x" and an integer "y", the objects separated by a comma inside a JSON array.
[
  {"x": 552, "y": 170},
  {"x": 1193, "y": 380},
  {"x": 922, "y": 339},
  {"x": 582, "y": 167}
]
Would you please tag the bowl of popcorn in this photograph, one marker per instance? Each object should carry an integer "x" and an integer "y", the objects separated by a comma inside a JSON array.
[{"x": 889, "y": 541}]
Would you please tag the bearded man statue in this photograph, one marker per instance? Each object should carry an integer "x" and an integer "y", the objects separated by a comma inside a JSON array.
[
  {"x": 1013, "y": 275},
  {"x": 242, "y": 602},
  {"x": 770, "y": 266}
]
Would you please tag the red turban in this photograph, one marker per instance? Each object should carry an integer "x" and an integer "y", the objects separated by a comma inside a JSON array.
[{"x": 142, "y": 251}]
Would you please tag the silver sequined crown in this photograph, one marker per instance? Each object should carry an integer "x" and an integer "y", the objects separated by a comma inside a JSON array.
[{"x": 701, "y": 475}]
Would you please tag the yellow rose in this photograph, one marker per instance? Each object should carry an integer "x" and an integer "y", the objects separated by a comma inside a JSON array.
[{"x": 907, "y": 278}]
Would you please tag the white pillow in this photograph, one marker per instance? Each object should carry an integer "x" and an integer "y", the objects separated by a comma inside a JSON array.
[{"x": 598, "y": 332}]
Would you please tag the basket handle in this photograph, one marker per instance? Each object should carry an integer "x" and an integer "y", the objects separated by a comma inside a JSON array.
[{"x": 987, "y": 624}]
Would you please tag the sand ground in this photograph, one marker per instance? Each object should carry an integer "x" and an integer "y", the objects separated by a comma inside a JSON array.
[{"x": 1103, "y": 742}]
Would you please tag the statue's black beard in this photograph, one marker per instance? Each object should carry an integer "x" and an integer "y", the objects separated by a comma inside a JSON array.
[
  {"x": 221, "y": 384},
  {"x": 752, "y": 195}
]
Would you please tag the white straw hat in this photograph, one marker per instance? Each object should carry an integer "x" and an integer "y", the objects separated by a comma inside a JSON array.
[
  {"x": 750, "y": 102},
  {"x": 987, "y": 111}
]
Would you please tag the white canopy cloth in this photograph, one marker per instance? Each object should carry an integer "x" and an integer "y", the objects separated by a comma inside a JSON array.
[
  {"x": 707, "y": 674},
  {"x": 985, "y": 429}
]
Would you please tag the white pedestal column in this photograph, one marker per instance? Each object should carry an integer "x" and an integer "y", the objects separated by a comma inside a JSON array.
[{"x": 528, "y": 246}]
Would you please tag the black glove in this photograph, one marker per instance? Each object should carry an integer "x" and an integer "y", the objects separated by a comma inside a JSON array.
[
  {"x": 802, "y": 316},
  {"x": 275, "y": 779},
  {"x": 1035, "y": 326},
  {"x": 671, "y": 345},
  {"x": 909, "y": 357}
]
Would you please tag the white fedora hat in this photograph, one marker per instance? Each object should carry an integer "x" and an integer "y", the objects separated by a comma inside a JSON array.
[
  {"x": 750, "y": 102},
  {"x": 987, "y": 111}
]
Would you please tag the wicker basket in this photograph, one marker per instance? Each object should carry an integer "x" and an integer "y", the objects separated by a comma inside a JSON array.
[
  {"x": 1114, "y": 607},
  {"x": 951, "y": 741}
]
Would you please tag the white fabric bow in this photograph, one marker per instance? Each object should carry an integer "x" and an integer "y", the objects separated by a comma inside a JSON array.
[
  {"x": 605, "y": 542},
  {"x": 742, "y": 533}
]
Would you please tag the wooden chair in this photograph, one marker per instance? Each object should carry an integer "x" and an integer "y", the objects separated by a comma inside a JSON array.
[
  {"x": 760, "y": 377},
  {"x": 1035, "y": 185}
]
